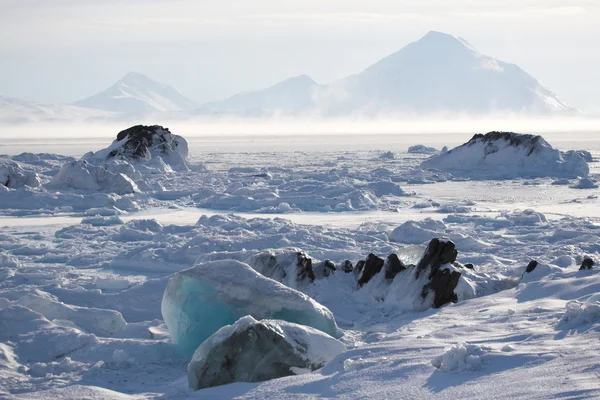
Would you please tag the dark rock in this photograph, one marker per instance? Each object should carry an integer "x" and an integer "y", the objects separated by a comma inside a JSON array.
[
  {"x": 305, "y": 268},
  {"x": 255, "y": 353},
  {"x": 587, "y": 263},
  {"x": 372, "y": 266},
  {"x": 531, "y": 266},
  {"x": 469, "y": 266},
  {"x": 323, "y": 269},
  {"x": 393, "y": 266},
  {"x": 347, "y": 266},
  {"x": 441, "y": 282},
  {"x": 532, "y": 142}
]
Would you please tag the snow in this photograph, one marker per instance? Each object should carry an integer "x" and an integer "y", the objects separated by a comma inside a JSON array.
[
  {"x": 13, "y": 175},
  {"x": 275, "y": 349},
  {"x": 506, "y": 155},
  {"x": 83, "y": 273},
  {"x": 200, "y": 300}
]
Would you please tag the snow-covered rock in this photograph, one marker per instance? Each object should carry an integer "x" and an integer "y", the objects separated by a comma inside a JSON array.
[
  {"x": 422, "y": 149},
  {"x": 12, "y": 175},
  {"x": 288, "y": 266},
  {"x": 84, "y": 175},
  {"x": 507, "y": 155},
  {"x": 254, "y": 351},
  {"x": 200, "y": 300},
  {"x": 580, "y": 312},
  {"x": 144, "y": 144}
]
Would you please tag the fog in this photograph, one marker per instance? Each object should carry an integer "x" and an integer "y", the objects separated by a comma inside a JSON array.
[{"x": 295, "y": 134}]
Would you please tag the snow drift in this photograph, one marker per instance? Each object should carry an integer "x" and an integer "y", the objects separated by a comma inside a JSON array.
[
  {"x": 507, "y": 155},
  {"x": 254, "y": 351}
]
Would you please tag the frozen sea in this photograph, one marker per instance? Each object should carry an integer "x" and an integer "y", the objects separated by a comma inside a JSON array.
[{"x": 82, "y": 274}]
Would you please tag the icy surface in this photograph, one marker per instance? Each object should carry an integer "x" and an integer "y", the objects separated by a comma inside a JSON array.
[
  {"x": 93, "y": 267},
  {"x": 253, "y": 351},
  {"x": 200, "y": 300}
]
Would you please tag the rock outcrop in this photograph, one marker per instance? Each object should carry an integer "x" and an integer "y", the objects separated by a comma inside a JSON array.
[{"x": 254, "y": 351}]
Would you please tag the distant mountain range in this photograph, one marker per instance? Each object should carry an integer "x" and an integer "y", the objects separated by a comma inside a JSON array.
[{"x": 439, "y": 73}]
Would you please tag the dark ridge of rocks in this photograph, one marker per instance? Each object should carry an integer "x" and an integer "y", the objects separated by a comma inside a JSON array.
[
  {"x": 441, "y": 282},
  {"x": 346, "y": 266},
  {"x": 305, "y": 267},
  {"x": 514, "y": 139},
  {"x": 372, "y": 266},
  {"x": 587, "y": 263},
  {"x": 531, "y": 266},
  {"x": 393, "y": 265}
]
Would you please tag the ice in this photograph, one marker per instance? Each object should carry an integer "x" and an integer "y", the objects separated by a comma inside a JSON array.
[
  {"x": 202, "y": 299},
  {"x": 83, "y": 175},
  {"x": 13, "y": 175},
  {"x": 253, "y": 351}
]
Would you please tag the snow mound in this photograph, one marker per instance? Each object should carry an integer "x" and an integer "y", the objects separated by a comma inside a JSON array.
[
  {"x": 13, "y": 176},
  {"x": 254, "y": 351},
  {"x": 86, "y": 176},
  {"x": 579, "y": 313},
  {"x": 585, "y": 183},
  {"x": 461, "y": 357},
  {"x": 200, "y": 300},
  {"x": 507, "y": 155},
  {"x": 146, "y": 144},
  {"x": 422, "y": 149}
]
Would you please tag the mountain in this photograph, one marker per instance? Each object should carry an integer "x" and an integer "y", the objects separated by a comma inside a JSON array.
[
  {"x": 136, "y": 94},
  {"x": 290, "y": 96},
  {"x": 20, "y": 111},
  {"x": 438, "y": 73}
]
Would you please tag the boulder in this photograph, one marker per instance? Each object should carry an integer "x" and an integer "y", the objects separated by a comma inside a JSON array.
[
  {"x": 346, "y": 266},
  {"x": 254, "y": 351},
  {"x": 587, "y": 263},
  {"x": 289, "y": 266},
  {"x": 372, "y": 266},
  {"x": 441, "y": 281},
  {"x": 393, "y": 266},
  {"x": 531, "y": 266}
]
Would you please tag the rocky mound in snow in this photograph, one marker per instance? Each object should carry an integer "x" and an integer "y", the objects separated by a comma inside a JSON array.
[
  {"x": 120, "y": 167},
  {"x": 254, "y": 351},
  {"x": 145, "y": 144},
  {"x": 508, "y": 155}
]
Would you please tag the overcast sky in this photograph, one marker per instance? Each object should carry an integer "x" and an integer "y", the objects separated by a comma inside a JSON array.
[{"x": 64, "y": 50}]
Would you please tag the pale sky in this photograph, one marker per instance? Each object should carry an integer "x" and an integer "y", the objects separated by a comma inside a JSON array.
[{"x": 65, "y": 50}]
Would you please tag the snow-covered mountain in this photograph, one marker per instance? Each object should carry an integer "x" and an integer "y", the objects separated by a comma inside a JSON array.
[
  {"x": 136, "y": 94},
  {"x": 19, "y": 111},
  {"x": 438, "y": 73},
  {"x": 293, "y": 95}
]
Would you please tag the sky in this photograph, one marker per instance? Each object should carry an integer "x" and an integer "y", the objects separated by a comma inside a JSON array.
[{"x": 61, "y": 51}]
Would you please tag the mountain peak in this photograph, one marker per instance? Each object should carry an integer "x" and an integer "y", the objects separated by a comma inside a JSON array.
[
  {"x": 434, "y": 41},
  {"x": 135, "y": 78}
]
